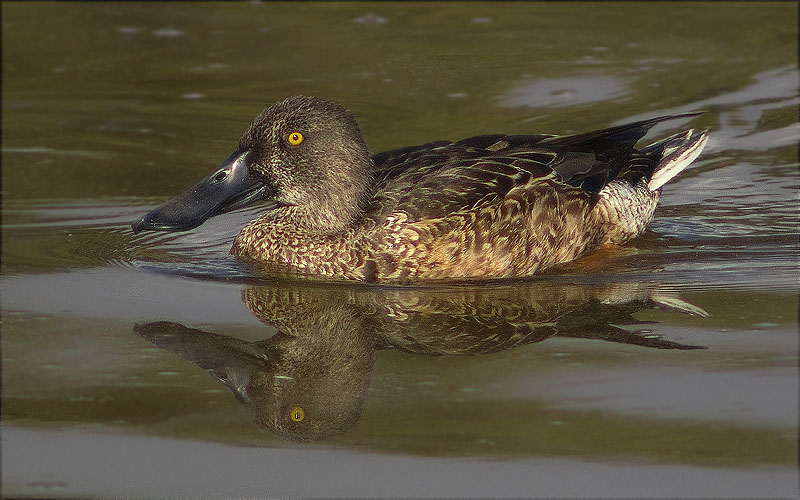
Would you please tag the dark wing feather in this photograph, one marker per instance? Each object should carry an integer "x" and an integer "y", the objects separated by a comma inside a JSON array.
[
  {"x": 452, "y": 178},
  {"x": 397, "y": 160},
  {"x": 402, "y": 157},
  {"x": 591, "y": 160},
  {"x": 606, "y": 139},
  {"x": 439, "y": 178}
]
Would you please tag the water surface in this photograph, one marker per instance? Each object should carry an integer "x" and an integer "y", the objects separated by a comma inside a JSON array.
[{"x": 157, "y": 365}]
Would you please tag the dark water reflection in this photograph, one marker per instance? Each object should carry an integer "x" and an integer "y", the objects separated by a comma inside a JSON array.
[{"x": 320, "y": 360}]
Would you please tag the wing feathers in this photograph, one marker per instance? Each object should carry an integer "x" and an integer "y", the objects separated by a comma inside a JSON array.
[{"x": 443, "y": 177}]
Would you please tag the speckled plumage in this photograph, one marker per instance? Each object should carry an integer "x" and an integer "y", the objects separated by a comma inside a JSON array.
[{"x": 489, "y": 206}]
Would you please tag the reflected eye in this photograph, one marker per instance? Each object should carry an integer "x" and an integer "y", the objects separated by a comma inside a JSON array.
[
  {"x": 295, "y": 138},
  {"x": 297, "y": 414}
]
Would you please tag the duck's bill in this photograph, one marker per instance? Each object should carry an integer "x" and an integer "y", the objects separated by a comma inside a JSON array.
[{"x": 229, "y": 187}]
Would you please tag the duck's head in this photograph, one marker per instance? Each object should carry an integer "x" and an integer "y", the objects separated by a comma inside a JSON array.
[{"x": 303, "y": 152}]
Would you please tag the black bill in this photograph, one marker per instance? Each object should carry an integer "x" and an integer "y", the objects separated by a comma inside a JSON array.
[{"x": 229, "y": 187}]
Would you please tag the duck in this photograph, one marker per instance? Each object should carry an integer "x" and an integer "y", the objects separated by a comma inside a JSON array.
[{"x": 485, "y": 207}]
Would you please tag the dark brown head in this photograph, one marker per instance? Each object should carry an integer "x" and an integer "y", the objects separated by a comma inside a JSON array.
[{"x": 303, "y": 152}]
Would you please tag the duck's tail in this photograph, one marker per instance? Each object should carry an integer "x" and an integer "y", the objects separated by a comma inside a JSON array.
[
  {"x": 625, "y": 208},
  {"x": 676, "y": 152}
]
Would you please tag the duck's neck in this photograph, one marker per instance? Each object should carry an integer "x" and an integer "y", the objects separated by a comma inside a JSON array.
[
  {"x": 305, "y": 222},
  {"x": 314, "y": 224},
  {"x": 292, "y": 239},
  {"x": 332, "y": 211},
  {"x": 332, "y": 199}
]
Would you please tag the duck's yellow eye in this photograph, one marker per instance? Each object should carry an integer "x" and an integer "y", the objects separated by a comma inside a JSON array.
[
  {"x": 297, "y": 414},
  {"x": 295, "y": 138}
]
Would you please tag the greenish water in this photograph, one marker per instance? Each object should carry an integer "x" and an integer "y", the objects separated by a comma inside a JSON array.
[{"x": 585, "y": 382}]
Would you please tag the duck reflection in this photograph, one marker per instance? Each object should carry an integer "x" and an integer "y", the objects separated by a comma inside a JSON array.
[{"x": 309, "y": 381}]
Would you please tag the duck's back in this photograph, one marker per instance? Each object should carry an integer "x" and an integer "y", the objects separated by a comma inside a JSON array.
[{"x": 512, "y": 205}]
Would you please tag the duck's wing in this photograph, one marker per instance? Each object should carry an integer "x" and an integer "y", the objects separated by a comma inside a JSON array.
[
  {"x": 443, "y": 177},
  {"x": 592, "y": 160},
  {"x": 437, "y": 154},
  {"x": 450, "y": 178}
]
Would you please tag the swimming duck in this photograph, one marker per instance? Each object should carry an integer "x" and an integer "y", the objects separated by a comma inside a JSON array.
[{"x": 489, "y": 206}]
